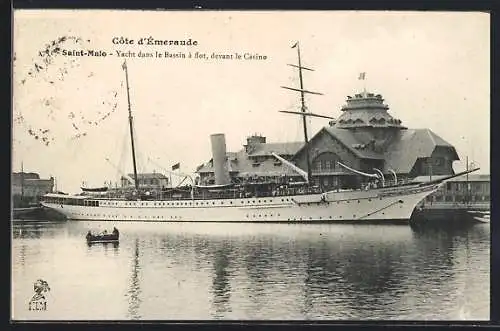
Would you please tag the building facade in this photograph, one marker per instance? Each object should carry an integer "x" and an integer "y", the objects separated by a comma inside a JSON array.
[
  {"x": 472, "y": 189},
  {"x": 30, "y": 184},
  {"x": 29, "y": 187},
  {"x": 152, "y": 180},
  {"x": 365, "y": 138}
]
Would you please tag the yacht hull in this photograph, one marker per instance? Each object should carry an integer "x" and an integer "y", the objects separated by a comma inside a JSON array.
[{"x": 382, "y": 205}]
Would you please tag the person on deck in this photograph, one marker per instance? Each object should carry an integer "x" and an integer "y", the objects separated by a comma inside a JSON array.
[{"x": 115, "y": 231}]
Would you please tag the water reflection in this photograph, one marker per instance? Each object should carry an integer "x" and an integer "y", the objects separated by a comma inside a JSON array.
[
  {"x": 221, "y": 288},
  {"x": 134, "y": 291},
  {"x": 30, "y": 230},
  {"x": 115, "y": 245},
  {"x": 292, "y": 272}
]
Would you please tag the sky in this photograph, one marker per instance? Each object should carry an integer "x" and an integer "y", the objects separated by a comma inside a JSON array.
[{"x": 70, "y": 116}]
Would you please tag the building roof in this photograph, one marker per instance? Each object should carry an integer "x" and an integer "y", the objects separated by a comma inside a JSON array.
[
  {"x": 245, "y": 165},
  {"x": 463, "y": 178},
  {"x": 289, "y": 148},
  {"x": 410, "y": 145},
  {"x": 350, "y": 140},
  {"x": 353, "y": 143},
  {"x": 473, "y": 178},
  {"x": 148, "y": 175},
  {"x": 366, "y": 110},
  {"x": 25, "y": 175}
]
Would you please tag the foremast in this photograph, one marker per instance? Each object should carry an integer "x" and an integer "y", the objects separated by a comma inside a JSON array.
[
  {"x": 130, "y": 120},
  {"x": 303, "y": 112}
]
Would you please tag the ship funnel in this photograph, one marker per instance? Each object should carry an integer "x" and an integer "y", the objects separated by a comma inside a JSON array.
[{"x": 221, "y": 170}]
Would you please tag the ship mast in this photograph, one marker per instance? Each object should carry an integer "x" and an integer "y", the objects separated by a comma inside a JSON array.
[
  {"x": 22, "y": 181},
  {"x": 130, "y": 119},
  {"x": 303, "y": 112}
]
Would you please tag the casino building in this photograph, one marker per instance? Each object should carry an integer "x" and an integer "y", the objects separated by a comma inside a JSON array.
[{"x": 365, "y": 138}]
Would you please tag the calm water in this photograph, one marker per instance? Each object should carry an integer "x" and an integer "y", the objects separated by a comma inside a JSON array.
[{"x": 253, "y": 271}]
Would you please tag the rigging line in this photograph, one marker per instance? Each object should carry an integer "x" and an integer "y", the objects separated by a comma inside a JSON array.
[
  {"x": 124, "y": 150},
  {"x": 380, "y": 209}
]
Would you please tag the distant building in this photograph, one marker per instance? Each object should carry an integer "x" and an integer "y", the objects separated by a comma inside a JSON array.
[
  {"x": 149, "y": 180},
  {"x": 30, "y": 185},
  {"x": 365, "y": 138},
  {"x": 472, "y": 189}
]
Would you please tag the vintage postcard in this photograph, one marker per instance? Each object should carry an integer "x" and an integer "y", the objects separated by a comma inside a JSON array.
[{"x": 250, "y": 165}]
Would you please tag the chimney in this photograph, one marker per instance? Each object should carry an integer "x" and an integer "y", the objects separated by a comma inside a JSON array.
[
  {"x": 219, "y": 159},
  {"x": 254, "y": 140}
]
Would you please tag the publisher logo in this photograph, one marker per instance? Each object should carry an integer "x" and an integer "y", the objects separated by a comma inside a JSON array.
[{"x": 38, "y": 300}]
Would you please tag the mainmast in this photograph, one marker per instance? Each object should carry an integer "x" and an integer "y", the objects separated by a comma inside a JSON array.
[
  {"x": 130, "y": 119},
  {"x": 303, "y": 112}
]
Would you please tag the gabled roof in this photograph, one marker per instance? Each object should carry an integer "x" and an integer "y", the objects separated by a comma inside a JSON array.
[
  {"x": 349, "y": 140},
  {"x": 279, "y": 148},
  {"x": 410, "y": 145}
]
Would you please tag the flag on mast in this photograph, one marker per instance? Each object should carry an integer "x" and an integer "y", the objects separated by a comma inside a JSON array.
[
  {"x": 124, "y": 65},
  {"x": 295, "y": 45},
  {"x": 362, "y": 76},
  {"x": 176, "y": 166}
]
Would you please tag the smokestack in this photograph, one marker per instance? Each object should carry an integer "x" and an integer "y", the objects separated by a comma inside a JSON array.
[{"x": 219, "y": 159}]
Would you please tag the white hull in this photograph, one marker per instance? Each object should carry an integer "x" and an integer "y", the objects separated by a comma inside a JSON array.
[{"x": 374, "y": 205}]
